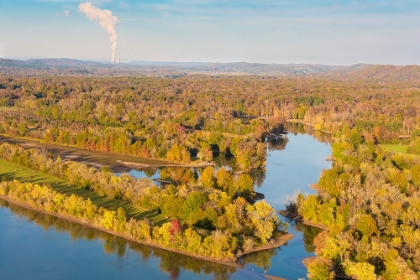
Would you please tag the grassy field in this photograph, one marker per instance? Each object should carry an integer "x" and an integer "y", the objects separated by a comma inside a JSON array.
[
  {"x": 14, "y": 171},
  {"x": 399, "y": 149}
]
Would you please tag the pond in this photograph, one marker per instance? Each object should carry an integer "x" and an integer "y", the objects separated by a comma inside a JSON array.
[{"x": 36, "y": 246}]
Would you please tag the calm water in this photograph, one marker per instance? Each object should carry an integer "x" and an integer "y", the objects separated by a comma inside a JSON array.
[{"x": 36, "y": 246}]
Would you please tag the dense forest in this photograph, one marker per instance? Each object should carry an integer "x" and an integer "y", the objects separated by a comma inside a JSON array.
[
  {"x": 369, "y": 200},
  {"x": 195, "y": 117}
]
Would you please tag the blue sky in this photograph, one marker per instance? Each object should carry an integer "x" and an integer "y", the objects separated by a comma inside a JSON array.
[{"x": 282, "y": 31}]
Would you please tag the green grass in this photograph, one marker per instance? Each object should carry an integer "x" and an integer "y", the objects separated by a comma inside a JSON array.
[
  {"x": 400, "y": 149},
  {"x": 15, "y": 171}
]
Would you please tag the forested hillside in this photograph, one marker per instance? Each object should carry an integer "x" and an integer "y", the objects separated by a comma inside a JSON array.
[{"x": 368, "y": 200}]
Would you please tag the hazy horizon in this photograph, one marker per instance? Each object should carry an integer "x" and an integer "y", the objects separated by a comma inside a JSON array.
[
  {"x": 105, "y": 60},
  {"x": 266, "y": 31}
]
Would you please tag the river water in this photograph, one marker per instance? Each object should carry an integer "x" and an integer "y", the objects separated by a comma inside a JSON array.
[{"x": 36, "y": 246}]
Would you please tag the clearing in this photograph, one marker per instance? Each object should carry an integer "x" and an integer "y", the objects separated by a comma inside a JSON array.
[
  {"x": 399, "y": 149},
  {"x": 23, "y": 174}
]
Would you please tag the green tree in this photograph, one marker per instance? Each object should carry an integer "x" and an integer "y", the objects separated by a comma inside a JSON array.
[
  {"x": 193, "y": 202},
  {"x": 207, "y": 177},
  {"x": 319, "y": 269},
  {"x": 362, "y": 270},
  {"x": 264, "y": 219},
  {"x": 121, "y": 218},
  {"x": 244, "y": 186},
  {"x": 366, "y": 225}
]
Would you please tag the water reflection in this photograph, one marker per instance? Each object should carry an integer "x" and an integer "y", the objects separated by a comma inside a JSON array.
[
  {"x": 182, "y": 175},
  {"x": 309, "y": 233},
  {"x": 277, "y": 144},
  {"x": 169, "y": 262},
  {"x": 260, "y": 259},
  {"x": 265, "y": 259},
  {"x": 298, "y": 128}
]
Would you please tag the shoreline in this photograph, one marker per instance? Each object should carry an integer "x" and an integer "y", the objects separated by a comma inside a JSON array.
[
  {"x": 308, "y": 124},
  {"x": 232, "y": 262},
  {"x": 299, "y": 219},
  {"x": 281, "y": 240},
  {"x": 169, "y": 164},
  {"x": 78, "y": 154}
]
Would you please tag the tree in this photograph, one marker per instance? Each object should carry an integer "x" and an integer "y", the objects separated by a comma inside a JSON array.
[
  {"x": 207, "y": 178},
  {"x": 360, "y": 271},
  {"x": 366, "y": 225},
  {"x": 224, "y": 179},
  {"x": 319, "y": 269},
  {"x": 174, "y": 229},
  {"x": 121, "y": 218},
  {"x": 264, "y": 219},
  {"x": 243, "y": 186},
  {"x": 193, "y": 202},
  {"x": 108, "y": 221}
]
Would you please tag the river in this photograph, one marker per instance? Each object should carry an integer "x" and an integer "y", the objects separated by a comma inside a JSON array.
[{"x": 36, "y": 246}]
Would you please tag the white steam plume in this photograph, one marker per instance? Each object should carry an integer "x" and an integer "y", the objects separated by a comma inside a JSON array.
[{"x": 105, "y": 19}]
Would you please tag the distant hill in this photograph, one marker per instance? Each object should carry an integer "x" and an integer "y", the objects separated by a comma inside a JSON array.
[
  {"x": 382, "y": 73},
  {"x": 50, "y": 63},
  {"x": 240, "y": 67},
  {"x": 64, "y": 66},
  {"x": 189, "y": 67}
]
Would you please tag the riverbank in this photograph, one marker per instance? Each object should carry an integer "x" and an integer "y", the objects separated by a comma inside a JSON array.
[
  {"x": 316, "y": 188},
  {"x": 143, "y": 165},
  {"x": 281, "y": 240},
  {"x": 299, "y": 219},
  {"x": 308, "y": 124},
  {"x": 232, "y": 262},
  {"x": 116, "y": 162}
]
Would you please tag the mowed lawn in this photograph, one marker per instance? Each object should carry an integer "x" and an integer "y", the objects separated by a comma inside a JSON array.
[
  {"x": 399, "y": 149},
  {"x": 23, "y": 174}
]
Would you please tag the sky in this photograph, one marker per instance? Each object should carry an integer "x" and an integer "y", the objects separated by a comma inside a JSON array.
[{"x": 266, "y": 31}]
